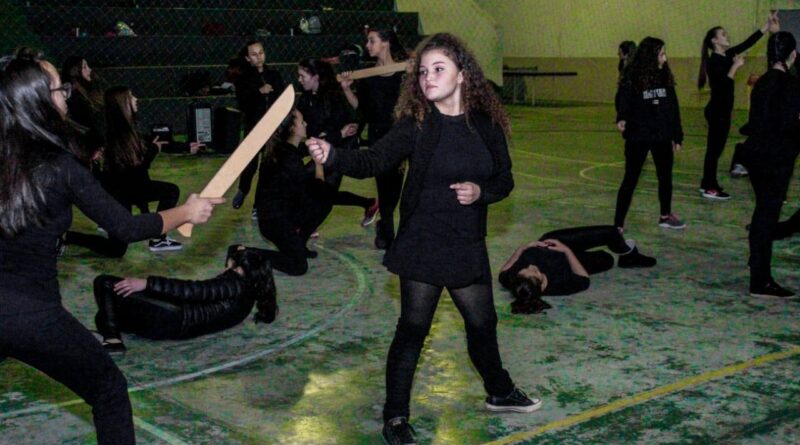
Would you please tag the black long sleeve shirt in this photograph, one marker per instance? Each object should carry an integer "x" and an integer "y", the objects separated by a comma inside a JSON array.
[
  {"x": 282, "y": 182},
  {"x": 721, "y": 85},
  {"x": 775, "y": 118},
  {"x": 28, "y": 273},
  {"x": 251, "y": 102},
  {"x": 650, "y": 115},
  {"x": 325, "y": 115}
]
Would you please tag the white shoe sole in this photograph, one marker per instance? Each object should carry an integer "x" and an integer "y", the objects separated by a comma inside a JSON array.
[
  {"x": 667, "y": 226},
  {"x": 715, "y": 197},
  {"x": 165, "y": 249},
  {"x": 753, "y": 294},
  {"x": 514, "y": 409}
]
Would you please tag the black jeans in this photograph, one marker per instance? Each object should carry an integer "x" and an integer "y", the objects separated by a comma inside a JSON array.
[
  {"x": 770, "y": 182},
  {"x": 719, "y": 126},
  {"x": 418, "y": 304},
  {"x": 581, "y": 239},
  {"x": 635, "y": 155},
  {"x": 54, "y": 342}
]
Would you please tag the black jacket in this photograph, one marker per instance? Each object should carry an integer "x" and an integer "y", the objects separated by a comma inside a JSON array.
[
  {"x": 416, "y": 142},
  {"x": 721, "y": 102},
  {"x": 649, "y": 115},
  {"x": 774, "y": 123},
  {"x": 251, "y": 102}
]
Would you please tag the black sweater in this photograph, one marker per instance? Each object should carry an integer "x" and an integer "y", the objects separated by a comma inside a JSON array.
[
  {"x": 282, "y": 182},
  {"x": 721, "y": 85},
  {"x": 28, "y": 274},
  {"x": 325, "y": 114},
  {"x": 252, "y": 103},
  {"x": 649, "y": 115},
  {"x": 774, "y": 118},
  {"x": 417, "y": 142}
]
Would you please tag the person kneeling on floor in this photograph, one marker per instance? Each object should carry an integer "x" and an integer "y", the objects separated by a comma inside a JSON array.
[
  {"x": 161, "y": 308},
  {"x": 560, "y": 263}
]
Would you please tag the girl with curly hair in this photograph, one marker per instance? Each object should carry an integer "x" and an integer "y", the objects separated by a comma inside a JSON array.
[
  {"x": 650, "y": 121},
  {"x": 453, "y": 131}
]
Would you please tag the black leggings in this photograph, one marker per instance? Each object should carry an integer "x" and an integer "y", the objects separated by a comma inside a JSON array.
[
  {"x": 418, "y": 304},
  {"x": 54, "y": 342},
  {"x": 389, "y": 187},
  {"x": 719, "y": 126},
  {"x": 769, "y": 183},
  {"x": 635, "y": 155},
  {"x": 581, "y": 239}
]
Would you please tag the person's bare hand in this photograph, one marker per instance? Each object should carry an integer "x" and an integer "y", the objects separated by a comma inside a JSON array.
[
  {"x": 466, "y": 192},
  {"x": 345, "y": 80},
  {"x": 200, "y": 209},
  {"x": 349, "y": 130},
  {"x": 318, "y": 149},
  {"x": 127, "y": 286},
  {"x": 266, "y": 89},
  {"x": 676, "y": 147}
]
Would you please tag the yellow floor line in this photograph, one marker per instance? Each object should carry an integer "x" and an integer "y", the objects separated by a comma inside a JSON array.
[{"x": 647, "y": 396}]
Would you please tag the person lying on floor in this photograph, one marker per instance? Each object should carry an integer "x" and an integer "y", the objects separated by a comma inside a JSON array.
[
  {"x": 560, "y": 263},
  {"x": 161, "y": 308}
]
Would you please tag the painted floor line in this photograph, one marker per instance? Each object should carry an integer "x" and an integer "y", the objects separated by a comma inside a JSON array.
[
  {"x": 357, "y": 295},
  {"x": 648, "y": 395},
  {"x": 167, "y": 437}
]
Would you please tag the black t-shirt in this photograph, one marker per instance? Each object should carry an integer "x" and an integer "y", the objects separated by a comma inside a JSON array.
[
  {"x": 555, "y": 265},
  {"x": 377, "y": 97}
]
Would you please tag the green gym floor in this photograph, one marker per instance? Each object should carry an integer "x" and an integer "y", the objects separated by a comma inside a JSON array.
[{"x": 677, "y": 354}]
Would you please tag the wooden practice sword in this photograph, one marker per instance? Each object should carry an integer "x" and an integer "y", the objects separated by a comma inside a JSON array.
[{"x": 246, "y": 151}]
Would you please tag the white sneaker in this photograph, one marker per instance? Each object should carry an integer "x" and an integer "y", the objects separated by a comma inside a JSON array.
[{"x": 739, "y": 171}]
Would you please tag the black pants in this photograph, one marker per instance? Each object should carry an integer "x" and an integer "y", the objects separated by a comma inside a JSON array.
[
  {"x": 635, "y": 155},
  {"x": 418, "y": 304},
  {"x": 246, "y": 178},
  {"x": 789, "y": 227},
  {"x": 290, "y": 235},
  {"x": 167, "y": 195},
  {"x": 581, "y": 239},
  {"x": 54, "y": 342},
  {"x": 389, "y": 187},
  {"x": 770, "y": 181},
  {"x": 142, "y": 314},
  {"x": 738, "y": 156},
  {"x": 719, "y": 126}
]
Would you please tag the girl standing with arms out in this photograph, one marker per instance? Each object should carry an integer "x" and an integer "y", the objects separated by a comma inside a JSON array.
[
  {"x": 718, "y": 66},
  {"x": 769, "y": 154},
  {"x": 650, "y": 121},
  {"x": 41, "y": 181},
  {"x": 128, "y": 159},
  {"x": 375, "y": 99},
  {"x": 453, "y": 130}
]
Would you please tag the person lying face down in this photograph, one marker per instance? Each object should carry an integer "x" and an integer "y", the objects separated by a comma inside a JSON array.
[
  {"x": 161, "y": 308},
  {"x": 560, "y": 263}
]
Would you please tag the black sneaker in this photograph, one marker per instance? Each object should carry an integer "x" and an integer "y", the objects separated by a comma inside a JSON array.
[
  {"x": 398, "y": 431},
  {"x": 635, "y": 259},
  {"x": 770, "y": 289},
  {"x": 516, "y": 402},
  {"x": 165, "y": 244},
  {"x": 715, "y": 194}
]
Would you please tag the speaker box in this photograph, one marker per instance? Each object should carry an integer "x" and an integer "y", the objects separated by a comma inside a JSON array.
[
  {"x": 199, "y": 122},
  {"x": 227, "y": 129}
]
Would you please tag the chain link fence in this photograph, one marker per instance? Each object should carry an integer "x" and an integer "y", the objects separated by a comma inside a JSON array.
[{"x": 173, "y": 53}]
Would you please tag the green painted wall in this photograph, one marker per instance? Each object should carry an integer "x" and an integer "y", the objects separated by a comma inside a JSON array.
[
  {"x": 468, "y": 20},
  {"x": 582, "y": 36}
]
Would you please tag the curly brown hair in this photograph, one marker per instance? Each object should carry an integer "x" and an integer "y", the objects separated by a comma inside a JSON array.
[{"x": 476, "y": 92}]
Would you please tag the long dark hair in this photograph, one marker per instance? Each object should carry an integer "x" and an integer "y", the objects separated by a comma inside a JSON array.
[
  {"x": 32, "y": 134},
  {"x": 396, "y": 48},
  {"x": 476, "y": 92},
  {"x": 779, "y": 47},
  {"x": 259, "y": 281},
  {"x": 705, "y": 54},
  {"x": 643, "y": 72},
  {"x": 327, "y": 78},
  {"x": 627, "y": 49},
  {"x": 124, "y": 148}
]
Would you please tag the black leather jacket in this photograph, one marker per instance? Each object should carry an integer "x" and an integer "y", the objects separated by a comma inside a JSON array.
[{"x": 207, "y": 305}]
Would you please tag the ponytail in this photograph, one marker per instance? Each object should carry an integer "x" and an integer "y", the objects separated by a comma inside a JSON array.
[{"x": 708, "y": 46}]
